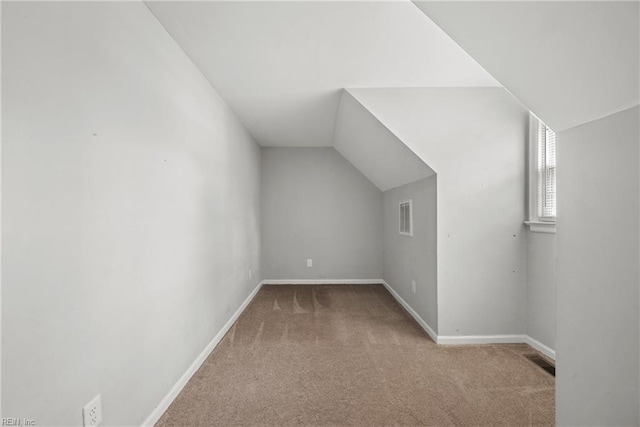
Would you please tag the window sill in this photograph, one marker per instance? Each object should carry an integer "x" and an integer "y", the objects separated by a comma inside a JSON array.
[{"x": 541, "y": 227}]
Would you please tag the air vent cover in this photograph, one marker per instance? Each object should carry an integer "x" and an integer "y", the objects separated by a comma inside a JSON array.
[
  {"x": 542, "y": 363},
  {"x": 406, "y": 220}
]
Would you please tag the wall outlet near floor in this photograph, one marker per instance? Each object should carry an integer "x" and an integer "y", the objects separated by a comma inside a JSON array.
[
  {"x": 413, "y": 286},
  {"x": 309, "y": 262},
  {"x": 92, "y": 412}
]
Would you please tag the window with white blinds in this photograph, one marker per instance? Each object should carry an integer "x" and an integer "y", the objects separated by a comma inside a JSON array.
[
  {"x": 546, "y": 173},
  {"x": 406, "y": 221}
]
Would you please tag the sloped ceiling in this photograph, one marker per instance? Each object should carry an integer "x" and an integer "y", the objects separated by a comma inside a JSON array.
[
  {"x": 281, "y": 66},
  {"x": 373, "y": 149},
  {"x": 569, "y": 62},
  {"x": 433, "y": 122}
]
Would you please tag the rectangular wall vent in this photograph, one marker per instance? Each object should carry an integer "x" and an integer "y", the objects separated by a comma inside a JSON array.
[{"x": 406, "y": 220}]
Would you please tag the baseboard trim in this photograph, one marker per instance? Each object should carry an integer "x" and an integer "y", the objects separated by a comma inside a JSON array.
[
  {"x": 544, "y": 349},
  {"x": 184, "y": 379},
  {"x": 423, "y": 324},
  {"x": 471, "y": 339},
  {"x": 323, "y": 282},
  {"x": 497, "y": 339},
  {"x": 481, "y": 339}
]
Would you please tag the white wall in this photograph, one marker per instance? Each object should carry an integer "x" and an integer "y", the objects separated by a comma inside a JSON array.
[
  {"x": 474, "y": 138},
  {"x": 316, "y": 205},
  {"x": 373, "y": 149},
  {"x": 593, "y": 46},
  {"x": 541, "y": 288},
  {"x": 413, "y": 258},
  {"x": 598, "y": 279},
  {"x": 130, "y": 198}
]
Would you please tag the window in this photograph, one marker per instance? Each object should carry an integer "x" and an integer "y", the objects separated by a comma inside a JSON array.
[
  {"x": 542, "y": 177},
  {"x": 406, "y": 218},
  {"x": 546, "y": 173}
]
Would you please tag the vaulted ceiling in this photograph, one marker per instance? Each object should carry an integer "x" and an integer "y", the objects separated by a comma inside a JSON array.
[
  {"x": 435, "y": 123},
  {"x": 281, "y": 66},
  {"x": 313, "y": 73},
  {"x": 570, "y": 62}
]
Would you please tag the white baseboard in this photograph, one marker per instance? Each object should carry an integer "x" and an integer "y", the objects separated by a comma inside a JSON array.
[
  {"x": 544, "y": 349},
  {"x": 184, "y": 379},
  {"x": 471, "y": 339},
  {"x": 498, "y": 339},
  {"x": 481, "y": 339},
  {"x": 428, "y": 329},
  {"x": 323, "y": 281}
]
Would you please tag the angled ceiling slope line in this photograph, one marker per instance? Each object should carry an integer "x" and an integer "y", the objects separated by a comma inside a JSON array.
[
  {"x": 442, "y": 125},
  {"x": 373, "y": 149},
  {"x": 281, "y": 65},
  {"x": 568, "y": 62}
]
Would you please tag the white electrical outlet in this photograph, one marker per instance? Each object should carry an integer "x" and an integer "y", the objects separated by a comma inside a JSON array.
[
  {"x": 92, "y": 412},
  {"x": 413, "y": 286},
  {"x": 309, "y": 262}
]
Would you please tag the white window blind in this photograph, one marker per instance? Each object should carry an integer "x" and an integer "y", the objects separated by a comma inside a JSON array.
[
  {"x": 546, "y": 173},
  {"x": 405, "y": 218}
]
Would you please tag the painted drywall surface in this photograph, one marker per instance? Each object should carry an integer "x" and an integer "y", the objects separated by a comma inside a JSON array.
[
  {"x": 373, "y": 149},
  {"x": 597, "y": 294},
  {"x": 130, "y": 198},
  {"x": 475, "y": 141},
  {"x": 541, "y": 287},
  {"x": 414, "y": 258},
  {"x": 306, "y": 51},
  {"x": 569, "y": 62},
  {"x": 316, "y": 205}
]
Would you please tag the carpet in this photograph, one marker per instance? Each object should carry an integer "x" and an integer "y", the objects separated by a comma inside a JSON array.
[{"x": 350, "y": 355}]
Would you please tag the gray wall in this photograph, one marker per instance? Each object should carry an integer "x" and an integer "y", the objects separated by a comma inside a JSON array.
[
  {"x": 598, "y": 252},
  {"x": 130, "y": 197},
  {"x": 541, "y": 288},
  {"x": 474, "y": 138},
  {"x": 413, "y": 258},
  {"x": 316, "y": 205},
  {"x": 481, "y": 207}
]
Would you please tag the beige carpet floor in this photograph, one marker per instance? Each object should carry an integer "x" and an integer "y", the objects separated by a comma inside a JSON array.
[{"x": 350, "y": 355}]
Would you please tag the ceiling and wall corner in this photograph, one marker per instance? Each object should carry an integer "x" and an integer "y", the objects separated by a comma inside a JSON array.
[
  {"x": 373, "y": 149},
  {"x": 281, "y": 66},
  {"x": 568, "y": 62}
]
